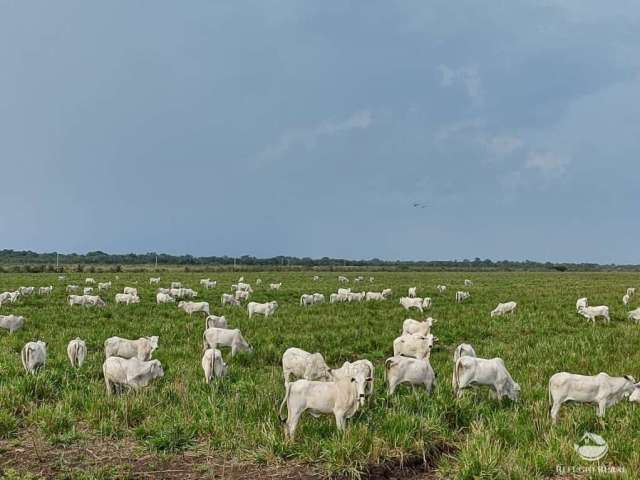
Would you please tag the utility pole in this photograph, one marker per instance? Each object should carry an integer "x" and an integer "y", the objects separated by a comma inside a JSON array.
[
  {"x": 156, "y": 261},
  {"x": 57, "y": 260}
]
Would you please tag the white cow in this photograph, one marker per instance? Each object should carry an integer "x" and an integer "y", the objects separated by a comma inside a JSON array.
[
  {"x": 228, "y": 299},
  {"x": 176, "y": 284},
  {"x": 24, "y": 291},
  {"x": 306, "y": 299},
  {"x": 412, "y": 292},
  {"x": 245, "y": 287},
  {"x": 601, "y": 389},
  {"x": 301, "y": 364},
  {"x": 626, "y": 299},
  {"x": 141, "y": 348},
  {"x": 45, "y": 290},
  {"x": 344, "y": 291},
  {"x": 462, "y": 296},
  {"x": 213, "y": 321},
  {"x": 504, "y": 309},
  {"x": 154, "y": 281},
  {"x": 462, "y": 350},
  {"x": 468, "y": 283},
  {"x": 343, "y": 279},
  {"x": 72, "y": 288},
  {"x": 316, "y": 278},
  {"x": 415, "y": 371},
  {"x": 130, "y": 291},
  {"x": 213, "y": 365},
  {"x": 164, "y": 298},
  {"x": 34, "y": 356},
  {"x": 11, "y": 322},
  {"x": 129, "y": 372},
  {"x": 214, "y": 337},
  {"x": 355, "y": 296},
  {"x": 591, "y": 313},
  {"x": 318, "y": 298},
  {"x": 275, "y": 286},
  {"x": 414, "y": 327},
  {"x": 94, "y": 301},
  {"x": 416, "y": 346},
  {"x": 441, "y": 288},
  {"x": 372, "y": 279},
  {"x": 104, "y": 286},
  {"x": 338, "y": 398},
  {"x": 242, "y": 295},
  {"x": 126, "y": 298},
  {"x": 374, "y": 296},
  {"x": 634, "y": 315},
  {"x": 210, "y": 284},
  {"x": 473, "y": 371},
  {"x": 362, "y": 371},
  {"x": 204, "y": 281},
  {"x": 89, "y": 280},
  {"x": 581, "y": 303},
  {"x": 194, "y": 307},
  {"x": 87, "y": 290},
  {"x": 266, "y": 309},
  {"x": 417, "y": 303},
  {"x": 338, "y": 297},
  {"x": 77, "y": 352},
  {"x": 631, "y": 291}
]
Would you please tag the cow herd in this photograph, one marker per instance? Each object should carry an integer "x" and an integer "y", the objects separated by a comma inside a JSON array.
[{"x": 310, "y": 384}]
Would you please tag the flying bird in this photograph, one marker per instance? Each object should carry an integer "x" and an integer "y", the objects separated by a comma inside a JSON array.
[{"x": 420, "y": 205}]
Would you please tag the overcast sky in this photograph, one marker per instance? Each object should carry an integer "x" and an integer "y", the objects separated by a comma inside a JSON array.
[{"x": 311, "y": 128}]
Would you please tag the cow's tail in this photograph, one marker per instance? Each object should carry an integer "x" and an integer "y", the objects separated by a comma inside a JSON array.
[
  {"x": 213, "y": 363},
  {"x": 284, "y": 401},
  {"x": 387, "y": 366},
  {"x": 25, "y": 356},
  {"x": 456, "y": 376},
  {"x": 204, "y": 342},
  {"x": 550, "y": 398}
]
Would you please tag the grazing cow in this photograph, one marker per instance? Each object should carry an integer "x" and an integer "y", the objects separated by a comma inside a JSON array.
[
  {"x": 130, "y": 372},
  {"x": 72, "y": 288},
  {"x": 34, "y": 356},
  {"x": 362, "y": 371},
  {"x": 164, "y": 298},
  {"x": 45, "y": 290},
  {"x": 104, "y": 286},
  {"x": 441, "y": 288},
  {"x": 344, "y": 291},
  {"x": 194, "y": 307},
  {"x": 415, "y": 371},
  {"x": 503, "y": 309},
  {"x": 338, "y": 398},
  {"x": 10, "y": 297},
  {"x": 77, "y": 352},
  {"x": 591, "y": 313},
  {"x": 414, "y": 327},
  {"x": 11, "y": 322},
  {"x": 75, "y": 300},
  {"x": 355, "y": 296},
  {"x": 302, "y": 364},
  {"x": 61, "y": 277},
  {"x": 131, "y": 291},
  {"x": 386, "y": 293},
  {"x": 462, "y": 296},
  {"x": 210, "y": 284},
  {"x": 89, "y": 281},
  {"x": 213, "y": 321},
  {"x": 375, "y": 296},
  {"x": 372, "y": 279},
  {"x": 258, "y": 281},
  {"x": 242, "y": 295},
  {"x": 463, "y": 350},
  {"x": 318, "y": 298},
  {"x": 417, "y": 303},
  {"x": 342, "y": 279},
  {"x": 24, "y": 291},
  {"x": 601, "y": 389},
  {"x": 412, "y": 292},
  {"x": 338, "y": 297},
  {"x": 581, "y": 303},
  {"x": 266, "y": 309},
  {"x": 245, "y": 287},
  {"x": 87, "y": 290},
  {"x": 13, "y": 296},
  {"x": 634, "y": 315},
  {"x": 473, "y": 371},
  {"x": 275, "y": 286},
  {"x": 241, "y": 279},
  {"x": 94, "y": 301},
  {"x": 468, "y": 283},
  {"x": 316, "y": 278},
  {"x": 416, "y": 346},
  {"x": 154, "y": 281},
  {"x": 626, "y": 299},
  {"x": 141, "y": 348},
  {"x": 215, "y": 337},
  {"x": 127, "y": 298},
  {"x": 631, "y": 291},
  {"x": 204, "y": 281},
  {"x": 306, "y": 299},
  {"x": 228, "y": 299},
  {"x": 176, "y": 284},
  {"x": 164, "y": 290},
  {"x": 183, "y": 293},
  {"x": 213, "y": 365}
]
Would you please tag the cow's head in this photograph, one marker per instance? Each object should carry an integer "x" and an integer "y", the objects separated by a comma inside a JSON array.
[{"x": 514, "y": 391}]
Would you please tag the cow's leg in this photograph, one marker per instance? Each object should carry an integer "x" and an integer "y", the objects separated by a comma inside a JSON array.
[
  {"x": 393, "y": 383},
  {"x": 292, "y": 424},
  {"x": 602, "y": 408},
  {"x": 555, "y": 409},
  {"x": 429, "y": 386},
  {"x": 340, "y": 421}
]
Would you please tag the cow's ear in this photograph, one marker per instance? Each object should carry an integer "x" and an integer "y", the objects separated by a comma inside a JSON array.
[
  {"x": 630, "y": 378},
  {"x": 353, "y": 379},
  {"x": 369, "y": 379}
]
